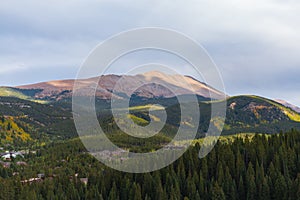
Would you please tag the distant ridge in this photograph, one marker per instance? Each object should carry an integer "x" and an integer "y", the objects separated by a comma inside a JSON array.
[{"x": 289, "y": 105}]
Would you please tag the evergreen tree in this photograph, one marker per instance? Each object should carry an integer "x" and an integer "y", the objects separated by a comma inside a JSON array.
[
  {"x": 251, "y": 187},
  {"x": 217, "y": 192}
]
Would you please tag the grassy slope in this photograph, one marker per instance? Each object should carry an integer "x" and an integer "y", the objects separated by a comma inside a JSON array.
[{"x": 12, "y": 92}]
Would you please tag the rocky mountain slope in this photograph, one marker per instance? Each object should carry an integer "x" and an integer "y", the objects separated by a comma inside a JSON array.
[{"x": 153, "y": 84}]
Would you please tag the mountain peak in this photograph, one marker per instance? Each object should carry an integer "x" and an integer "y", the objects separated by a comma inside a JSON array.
[
  {"x": 166, "y": 86},
  {"x": 155, "y": 73}
]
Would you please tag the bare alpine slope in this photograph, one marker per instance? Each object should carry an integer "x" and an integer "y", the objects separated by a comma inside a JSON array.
[{"x": 153, "y": 84}]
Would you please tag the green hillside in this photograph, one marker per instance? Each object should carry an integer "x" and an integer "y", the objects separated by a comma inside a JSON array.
[
  {"x": 245, "y": 114},
  {"x": 43, "y": 118},
  {"x": 20, "y": 93},
  {"x": 258, "y": 115},
  {"x": 293, "y": 115}
]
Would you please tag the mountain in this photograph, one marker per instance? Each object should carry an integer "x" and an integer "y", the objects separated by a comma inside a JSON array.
[
  {"x": 153, "y": 84},
  {"x": 46, "y": 107},
  {"x": 289, "y": 105}
]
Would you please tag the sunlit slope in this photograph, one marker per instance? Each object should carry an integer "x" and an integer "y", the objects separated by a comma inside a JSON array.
[
  {"x": 43, "y": 118},
  {"x": 244, "y": 114},
  {"x": 11, "y": 132},
  {"x": 19, "y": 93}
]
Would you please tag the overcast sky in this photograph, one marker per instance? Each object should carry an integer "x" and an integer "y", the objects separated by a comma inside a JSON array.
[{"x": 255, "y": 44}]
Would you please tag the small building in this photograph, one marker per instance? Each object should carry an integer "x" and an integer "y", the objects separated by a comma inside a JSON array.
[
  {"x": 84, "y": 180},
  {"x": 21, "y": 163},
  {"x": 15, "y": 173},
  {"x": 41, "y": 176},
  {"x": 10, "y": 155},
  {"x": 5, "y": 164},
  {"x": 31, "y": 180},
  {"x": 6, "y": 157}
]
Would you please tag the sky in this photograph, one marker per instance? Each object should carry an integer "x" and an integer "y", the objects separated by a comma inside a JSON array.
[{"x": 255, "y": 44}]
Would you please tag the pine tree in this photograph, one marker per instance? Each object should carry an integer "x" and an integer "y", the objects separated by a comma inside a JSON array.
[
  {"x": 241, "y": 189},
  {"x": 217, "y": 192},
  {"x": 280, "y": 188},
  {"x": 113, "y": 194},
  {"x": 265, "y": 191},
  {"x": 251, "y": 187},
  {"x": 296, "y": 188}
]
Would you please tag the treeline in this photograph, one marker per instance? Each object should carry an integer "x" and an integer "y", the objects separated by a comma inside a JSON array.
[{"x": 262, "y": 167}]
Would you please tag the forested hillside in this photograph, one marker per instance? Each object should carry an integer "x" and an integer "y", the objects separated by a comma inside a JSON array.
[
  {"x": 13, "y": 133},
  {"x": 50, "y": 119},
  {"x": 249, "y": 167},
  {"x": 244, "y": 114}
]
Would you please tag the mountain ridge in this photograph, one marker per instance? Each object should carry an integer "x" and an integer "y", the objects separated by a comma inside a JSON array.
[{"x": 60, "y": 89}]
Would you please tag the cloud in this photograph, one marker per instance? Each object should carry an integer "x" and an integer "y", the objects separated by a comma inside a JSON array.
[{"x": 254, "y": 43}]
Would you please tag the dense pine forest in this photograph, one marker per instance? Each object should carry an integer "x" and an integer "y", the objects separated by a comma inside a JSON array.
[{"x": 249, "y": 167}]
